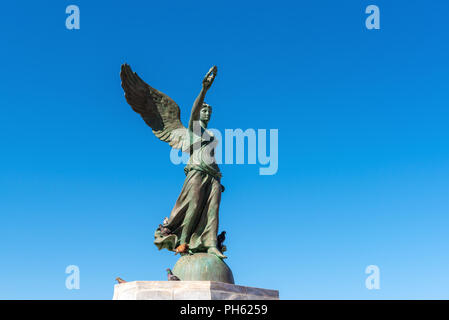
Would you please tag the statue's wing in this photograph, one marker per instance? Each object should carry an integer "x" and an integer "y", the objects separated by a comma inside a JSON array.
[{"x": 157, "y": 109}]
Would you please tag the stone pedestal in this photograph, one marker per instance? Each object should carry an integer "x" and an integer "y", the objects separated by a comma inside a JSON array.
[{"x": 190, "y": 290}]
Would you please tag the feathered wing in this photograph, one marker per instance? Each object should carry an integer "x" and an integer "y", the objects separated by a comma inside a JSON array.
[{"x": 157, "y": 109}]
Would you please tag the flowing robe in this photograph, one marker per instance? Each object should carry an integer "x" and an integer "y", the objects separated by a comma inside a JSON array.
[{"x": 194, "y": 218}]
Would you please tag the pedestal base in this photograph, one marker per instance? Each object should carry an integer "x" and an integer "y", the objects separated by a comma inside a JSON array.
[{"x": 190, "y": 290}]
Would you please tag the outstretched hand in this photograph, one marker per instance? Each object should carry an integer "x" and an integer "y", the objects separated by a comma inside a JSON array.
[{"x": 209, "y": 78}]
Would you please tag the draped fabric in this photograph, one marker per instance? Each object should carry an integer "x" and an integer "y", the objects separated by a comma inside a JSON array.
[{"x": 194, "y": 218}]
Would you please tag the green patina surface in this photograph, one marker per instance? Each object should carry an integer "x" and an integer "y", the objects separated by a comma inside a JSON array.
[
  {"x": 193, "y": 222},
  {"x": 203, "y": 267}
]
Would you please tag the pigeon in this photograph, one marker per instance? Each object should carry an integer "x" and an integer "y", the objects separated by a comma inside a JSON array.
[
  {"x": 183, "y": 248},
  {"x": 120, "y": 280},
  {"x": 164, "y": 231},
  {"x": 220, "y": 239},
  {"x": 165, "y": 221},
  {"x": 171, "y": 276}
]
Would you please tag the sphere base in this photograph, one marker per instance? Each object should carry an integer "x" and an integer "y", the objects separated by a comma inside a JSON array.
[{"x": 203, "y": 267}]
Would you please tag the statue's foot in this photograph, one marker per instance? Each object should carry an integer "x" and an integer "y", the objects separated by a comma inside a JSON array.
[
  {"x": 183, "y": 248},
  {"x": 215, "y": 251}
]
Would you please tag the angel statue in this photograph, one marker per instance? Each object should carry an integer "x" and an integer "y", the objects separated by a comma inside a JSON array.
[{"x": 193, "y": 223}]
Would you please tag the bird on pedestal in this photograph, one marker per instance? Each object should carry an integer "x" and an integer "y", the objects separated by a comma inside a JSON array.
[
  {"x": 120, "y": 280},
  {"x": 171, "y": 276}
]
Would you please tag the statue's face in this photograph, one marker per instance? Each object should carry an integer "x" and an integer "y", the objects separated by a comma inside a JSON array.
[{"x": 205, "y": 113}]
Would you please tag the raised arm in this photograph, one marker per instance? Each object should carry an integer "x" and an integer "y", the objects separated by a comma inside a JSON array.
[{"x": 207, "y": 83}]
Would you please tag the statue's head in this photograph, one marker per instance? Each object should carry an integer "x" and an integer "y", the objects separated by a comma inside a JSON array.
[{"x": 205, "y": 112}]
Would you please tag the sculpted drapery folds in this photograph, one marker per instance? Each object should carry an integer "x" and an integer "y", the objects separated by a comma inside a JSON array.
[{"x": 193, "y": 223}]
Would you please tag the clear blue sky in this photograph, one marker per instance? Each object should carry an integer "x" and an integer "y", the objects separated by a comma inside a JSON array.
[{"x": 363, "y": 143}]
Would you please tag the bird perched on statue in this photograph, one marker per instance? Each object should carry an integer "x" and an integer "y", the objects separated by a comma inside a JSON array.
[
  {"x": 165, "y": 221},
  {"x": 182, "y": 248},
  {"x": 171, "y": 276},
  {"x": 164, "y": 231},
  {"x": 220, "y": 239},
  {"x": 120, "y": 280}
]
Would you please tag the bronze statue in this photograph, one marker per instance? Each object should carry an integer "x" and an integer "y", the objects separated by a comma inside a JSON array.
[{"x": 193, "y": 223}]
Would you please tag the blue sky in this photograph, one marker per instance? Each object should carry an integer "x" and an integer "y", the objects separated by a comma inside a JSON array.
[{"x": 362, "y": 116}]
